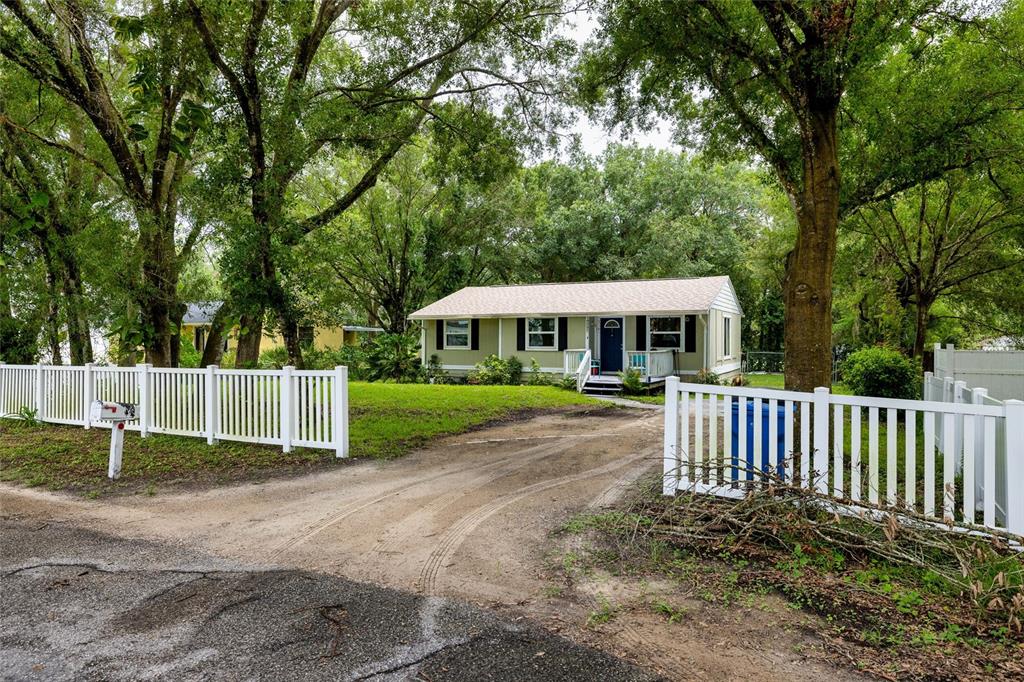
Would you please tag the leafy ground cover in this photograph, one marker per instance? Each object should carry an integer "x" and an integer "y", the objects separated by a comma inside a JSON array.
[
  {"x": 387, "y": 420},
  {"x": 894, "y": 601}
]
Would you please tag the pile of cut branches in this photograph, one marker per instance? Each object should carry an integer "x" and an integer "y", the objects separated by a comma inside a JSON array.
[{"x": 861, "y": 566}]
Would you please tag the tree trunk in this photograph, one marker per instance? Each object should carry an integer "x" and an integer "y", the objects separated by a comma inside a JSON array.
[
  {"x": 290, "y": 332},
  {"x": 79, "y": 340},
  {"x": 920, "y": 326},
  {"x": 177, "y": 315},
  {"x": 249, "y": 336},
  {"x": 213, "y": 350},
  {"x": 807, "y": 286}
]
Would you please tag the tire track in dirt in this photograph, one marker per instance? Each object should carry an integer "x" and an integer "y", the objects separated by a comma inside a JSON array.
[
  {"x": 457, "y": 533},
  {"x": 399, "y": 533},
  {"x": 510, "y": 463}
]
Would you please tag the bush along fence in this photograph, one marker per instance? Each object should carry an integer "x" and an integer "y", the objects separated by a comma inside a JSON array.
[
  {"x": 285, "y": 407},
  {"x": 862, "y": 452}
]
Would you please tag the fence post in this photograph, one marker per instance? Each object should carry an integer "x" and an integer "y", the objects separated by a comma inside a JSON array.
[
  {"x": 87, "y": 390},
  {"x": 143, "y": 370},
  {"x": 959, "y": 389},
  {"x": 670, "y": 482},
  {"x": 39, "y": 393},
  {"x": 211, "y": 404},
  {"x": 340, "y": 416},
  {"x": 1014, "y": 466},
  {"x": 979, "y": 445},
  {"x": 286, "y": 408},
  {"x": 926, "y": 390},
  {"x": 820, "y": 474}
]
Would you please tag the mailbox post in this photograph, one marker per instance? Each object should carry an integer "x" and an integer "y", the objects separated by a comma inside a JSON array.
[{"x": 117, "y": 414}]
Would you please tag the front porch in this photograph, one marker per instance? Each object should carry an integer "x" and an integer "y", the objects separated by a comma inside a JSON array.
[{"x": 653, "y": 366}]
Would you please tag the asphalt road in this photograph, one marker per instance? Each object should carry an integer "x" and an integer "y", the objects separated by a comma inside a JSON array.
[{"x": 78, "y": 604}]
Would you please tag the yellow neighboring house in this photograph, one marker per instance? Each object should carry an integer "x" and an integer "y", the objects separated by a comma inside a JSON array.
[{"x": 195, "y": 326}]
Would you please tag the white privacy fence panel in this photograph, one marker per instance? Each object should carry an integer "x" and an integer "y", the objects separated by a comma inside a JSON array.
[
  {"x": 176, "y": 401},
  {"x": 1000, "y": 372},
  {"x": 19, "y": 389},
  {"x": 933, "y": 458},
  {"x": 249, "y": 408},
  {"x": 63, "y": 394},
  {"x": 283, "y": 407}
]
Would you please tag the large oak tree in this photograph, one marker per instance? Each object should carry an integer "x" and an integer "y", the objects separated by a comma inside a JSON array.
[{"x": 806, "y": 86}]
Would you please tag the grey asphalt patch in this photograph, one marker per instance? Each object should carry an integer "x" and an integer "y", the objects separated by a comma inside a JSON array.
[{"x": 83, "y": 605}]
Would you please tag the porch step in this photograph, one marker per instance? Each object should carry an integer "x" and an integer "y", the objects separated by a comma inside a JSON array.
[{"x": 602, "y": 385}]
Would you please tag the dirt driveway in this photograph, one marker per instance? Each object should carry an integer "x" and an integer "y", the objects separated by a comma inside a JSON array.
[{"x": 469, "y": 517}]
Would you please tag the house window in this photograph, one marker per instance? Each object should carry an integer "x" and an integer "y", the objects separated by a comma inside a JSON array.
[
  {"x": 666, "y": 333},
  {"x": 306, "y": 336},
  {"x": 541, "y": 333},
  {"x": 726, "y": 337},
  {"x": 456, "y": 334}
]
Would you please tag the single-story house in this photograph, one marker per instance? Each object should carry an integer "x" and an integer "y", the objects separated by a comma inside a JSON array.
[
  {"x": 660, "y": 327},
  {"x": 195, "y": 326}
]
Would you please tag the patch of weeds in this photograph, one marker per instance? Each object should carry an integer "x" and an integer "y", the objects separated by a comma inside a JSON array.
[
  {"x": 603, "y": 614},
  {"x": 671, "y": 613},
  {"x": 552, "y": 592}
]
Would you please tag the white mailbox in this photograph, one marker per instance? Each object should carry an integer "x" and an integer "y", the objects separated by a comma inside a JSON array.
[
  {"x": 118, "y": 413},
  {"x": 111, "y": 412}
]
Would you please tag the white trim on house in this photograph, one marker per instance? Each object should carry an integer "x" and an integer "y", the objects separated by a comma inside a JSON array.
[
  {"x": 726, "y": 337},
  {"x": 727, "y": 301},
  {"x": 423, "y": 344},
  {"x": 724, "y": 369},
  {"x": 501, "y": 332},
  {"x": 469, "y": 334},
  {"x": 553, "y": 333}
]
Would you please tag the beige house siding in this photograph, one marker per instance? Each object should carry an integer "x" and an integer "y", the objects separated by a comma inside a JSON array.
[
  {"x": 460, "y": 361},
  {"x": 708, "y": 336}
]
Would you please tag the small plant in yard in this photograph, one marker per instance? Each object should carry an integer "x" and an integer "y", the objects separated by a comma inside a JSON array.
[
  {"x": 495, "y": 371},
  {"x": 568, "y": 382},
  {"x": 632, "y": 382},
  {"x": 27, "y": 415},
  {"x": 436, "y": 373},
  {"x": 671, "y": 613},
  {"x": 706, "y": 376},
  {"x": 881, "y": 373},
  {"x": 537, "y": 378},
  {"x": 604, "y": 613}
]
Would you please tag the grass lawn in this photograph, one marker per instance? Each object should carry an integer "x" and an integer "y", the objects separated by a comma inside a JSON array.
[
  {"x": 387, "y": 420},
  {"x": 778, "y": 381}
]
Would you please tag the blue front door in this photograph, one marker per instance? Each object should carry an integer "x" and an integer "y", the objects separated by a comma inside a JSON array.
[{"x": 611, "y": 344}]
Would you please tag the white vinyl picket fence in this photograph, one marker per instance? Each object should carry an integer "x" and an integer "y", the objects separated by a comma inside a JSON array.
[
  {"x": 285, "y": 407},
  {"x": 723, "y": 440}
]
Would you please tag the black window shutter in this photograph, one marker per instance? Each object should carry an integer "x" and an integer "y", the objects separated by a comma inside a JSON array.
[
  {"x": 474, "y": 334},
  {"x": 439, "y": 338},
  {"x": 690, "y": 327},
  {"x": 520, "y": 333},
  {"x": 563, "y": 333},
  {"x": 641, "y": 332}
]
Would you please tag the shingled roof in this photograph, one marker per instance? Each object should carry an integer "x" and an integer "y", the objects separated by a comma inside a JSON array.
[{"x": 628, "y": 297}]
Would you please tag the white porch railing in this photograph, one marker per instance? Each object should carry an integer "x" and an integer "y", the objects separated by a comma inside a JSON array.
[
  {"x": 720, "y": 440},
  {"x": 583, "y": 371},
  {"x": 572, "y": 358},
  {"x": 652, "y": 363},
  {"x": 285, "y": 407}
]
